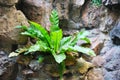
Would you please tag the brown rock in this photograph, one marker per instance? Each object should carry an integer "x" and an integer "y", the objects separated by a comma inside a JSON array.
[
  {"x": 94, "y": 74},
  {"x": 38, "y": 11},
  {"x": 83, "y": 65},
  {"x": 8, "y": 2},
  {"x": 9, "y": 19},
  {"x": 97, "y": 40},
  {"x": 98, "y": 61},
  {"x": 63, "y": 8},
  {"x": 97, "y": 45}
]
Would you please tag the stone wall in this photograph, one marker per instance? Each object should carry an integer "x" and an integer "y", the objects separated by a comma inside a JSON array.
[{"x": 74, "y": 15}]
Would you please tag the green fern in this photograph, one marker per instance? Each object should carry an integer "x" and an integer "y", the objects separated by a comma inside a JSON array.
[
  {"x": 53, "y": 42},
  {"x": 97, "y": 2},
  {"x": 54, "y": 19}
]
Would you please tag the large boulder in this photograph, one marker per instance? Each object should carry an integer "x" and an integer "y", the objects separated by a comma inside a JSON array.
[{"x": 37, "y": 10}]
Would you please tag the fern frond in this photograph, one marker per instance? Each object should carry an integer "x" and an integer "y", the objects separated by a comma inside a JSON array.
[{"x": 54, "y": 20}]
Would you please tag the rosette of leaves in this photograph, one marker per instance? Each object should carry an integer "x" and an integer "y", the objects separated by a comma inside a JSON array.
[{"x": 53, "y": 41}]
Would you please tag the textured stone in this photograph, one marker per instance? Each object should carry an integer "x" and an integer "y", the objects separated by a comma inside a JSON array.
[
  {"x": 8, "y": 2},
  {"x": 113, "y": 65},
  {"x": 98, "y": 61},
  {"x": 110, "y": 2},
  {"x": 35, "y": 65},
  {"x": 95, "y": 74},
  {"x": 7, "y": 67},
  {"x": 38, "y": 11},
  {"x": 112, "y": 75},
  {"x": 9, "y": 35},
  {"x": 115, "y": 34}
]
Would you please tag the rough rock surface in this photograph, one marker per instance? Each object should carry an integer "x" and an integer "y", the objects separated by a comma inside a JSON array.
[
  {"x": 9, "y": 18},
  {"x": 7, "y": 67},
  {"x": 111, "y": 2},
  {"x": 8, "y": 2},
  {"x": 115, "y": 34},
  {"x": 73, "y": 15},
  {"x": 95, "y": 74},
  {"x": 111, "y": 54},
  {"x": 37, "y": 10}
]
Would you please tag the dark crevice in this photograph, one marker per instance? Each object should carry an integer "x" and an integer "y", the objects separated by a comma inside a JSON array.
[{"x": 14, "y": 47}]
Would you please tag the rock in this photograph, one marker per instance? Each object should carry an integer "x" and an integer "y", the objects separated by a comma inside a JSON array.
[
  {"x": 108, "y": 21},
  {"x": 37, "y": 11},
  {"x": 97, "y": 43},
  {"x": 98, "y": 61},
  {"x": 79, "y": 3},
  {"x": 63, "y": 8},
  {"x": 110, "y": 2},
  {"x": 7, "y": 67},
  {"x": 112, "y": 75},
  {"x": 8, "y": 2},
  {"x": 35, "y": 65},
  {"x": 95, "y": 74},
  {"x": 112, "y": 65},
  {"x": 91, "y": 15},
  {"x": 27, "y": 72},
  {"x": 83, "y": 65},
  {"x": 107, "y": 46},
  {"x": 115, "y": 34},
  {"x": 9, "y": 18}
]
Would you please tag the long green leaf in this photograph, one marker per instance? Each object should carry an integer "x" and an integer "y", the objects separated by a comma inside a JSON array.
[
  {"x": 59, "y": 57},
  {"x": 84, "y": 50},
  {"x": 56, "y": 37},
  {"x": 22, "y": 27},
  {"x": 65, "y": 41},
  {"x": 43, "y": 32},
  {"x": 80, "y": 36},
  {"x": 39, "y": 46}
]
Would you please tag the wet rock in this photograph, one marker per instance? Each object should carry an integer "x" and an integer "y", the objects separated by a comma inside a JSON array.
[
  {"x": 115, "y": 34},
  {"x": 95, "y": 74},
  {"x": 7, "y": 67}
]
